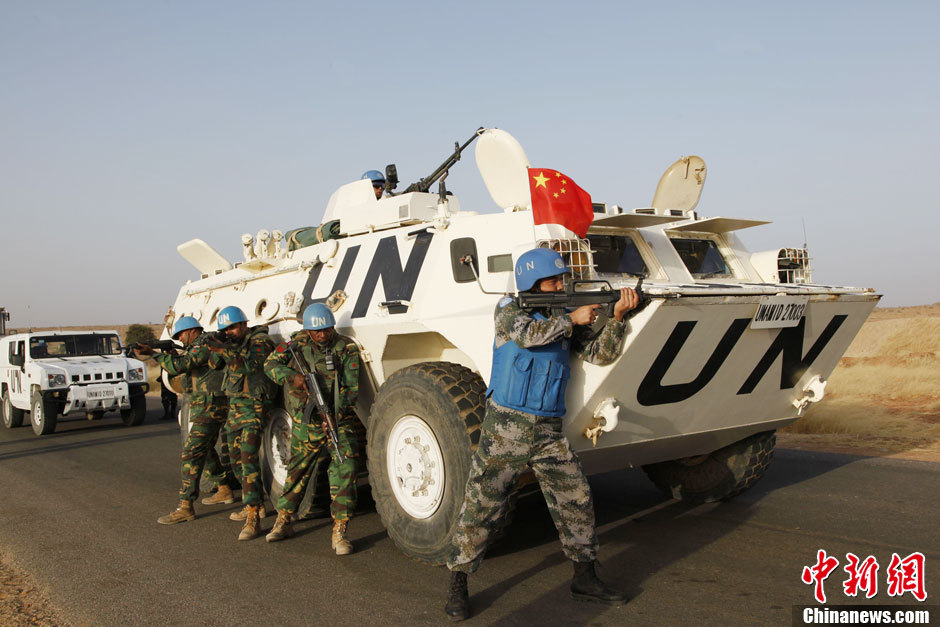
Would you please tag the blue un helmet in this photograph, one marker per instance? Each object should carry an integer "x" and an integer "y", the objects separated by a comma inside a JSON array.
[
  {"x": 229, "y": 316},
  {"x": 184, "y": 324},
  {"x": 318, "y": 317},
  {"x": 375, "y": 176},
  {"x": 536, "y": 264}
]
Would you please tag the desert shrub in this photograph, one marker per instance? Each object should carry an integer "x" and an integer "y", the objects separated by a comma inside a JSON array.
[{"x": 139, "y": 333}]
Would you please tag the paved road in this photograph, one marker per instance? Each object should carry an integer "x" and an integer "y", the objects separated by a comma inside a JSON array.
[{"x": 79, "y": 506}]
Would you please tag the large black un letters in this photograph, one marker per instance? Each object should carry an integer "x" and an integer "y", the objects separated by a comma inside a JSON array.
[
  {"x": 789, "y": 342},
  {"x": 397, "y": 282}
]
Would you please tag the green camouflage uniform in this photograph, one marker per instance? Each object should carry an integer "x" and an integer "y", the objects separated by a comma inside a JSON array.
[
  {"x": 250, "y": 395},
  {"x": 208, "y": 409},
  {"x": 512, "y": 440},
  {"x": 308, "y": 442}
]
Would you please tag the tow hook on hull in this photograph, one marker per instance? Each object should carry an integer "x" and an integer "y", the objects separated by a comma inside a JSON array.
[
  {"x": 813, "y": 392},
  {"x": 606, "y": 417}
]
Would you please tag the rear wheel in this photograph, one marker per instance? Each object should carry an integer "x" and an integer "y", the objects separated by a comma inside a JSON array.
[
  {"x": 276, "y": 448},
  {"x": 718, "y": 475},
  {"x": 42, "y": 414},
  {"x": 138, "y": 411},
  {"x": 12, "y": 417},
  {"x": 424, "y": 424}
]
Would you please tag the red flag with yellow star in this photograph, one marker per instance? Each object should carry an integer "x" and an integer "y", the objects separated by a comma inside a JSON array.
[{"x": 556, "y": 199}]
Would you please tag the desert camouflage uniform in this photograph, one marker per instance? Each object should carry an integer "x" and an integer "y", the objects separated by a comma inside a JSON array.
[
  {"x": 208, "y": 409},
  {"x": 513, "y": 440},
  {"x": 308, "y": 442},
  {"x": 250, "y": 395}
]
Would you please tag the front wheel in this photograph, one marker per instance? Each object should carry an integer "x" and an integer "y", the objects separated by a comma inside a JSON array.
[
  {"x": 42, "y": 414},
  {"x": 138, "y": 411},
  {"x": 718, "y": 475},
  {"x": 276, "y": 458},
  {"x": 12, "y": 417},
  {"x": 424, "y": 425}
]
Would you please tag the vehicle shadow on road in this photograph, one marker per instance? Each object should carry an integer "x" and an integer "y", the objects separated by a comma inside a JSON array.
[
  {"x": 83, "y": 443},
  {"x": 655, "y": 530}
]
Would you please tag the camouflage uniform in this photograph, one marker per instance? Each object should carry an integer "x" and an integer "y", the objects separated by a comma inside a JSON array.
[
  {"x": 308, "y": 442},
  {"x": 250, "y": 395},
  {"x": 208, "y": 409},
  {"x": 513, "y": 440}
]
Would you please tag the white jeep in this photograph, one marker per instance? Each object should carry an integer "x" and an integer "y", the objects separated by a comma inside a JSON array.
[{"x": 61, "y": 372}]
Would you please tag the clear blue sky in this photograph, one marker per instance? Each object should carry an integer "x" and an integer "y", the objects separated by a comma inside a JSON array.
[{"x": 129, "y": 127}]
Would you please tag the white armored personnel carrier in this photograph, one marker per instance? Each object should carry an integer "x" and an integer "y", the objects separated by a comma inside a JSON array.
[{"x": 730, "y": 346}]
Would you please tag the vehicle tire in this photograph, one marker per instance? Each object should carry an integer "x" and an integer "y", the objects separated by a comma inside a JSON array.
[
  {"x": 12, "y": 417},
  {"x": 276, "y": 456},
  {"x": 42, "y": 414},
  {"x": 425, "y": 424},
  {"x": 718, "y": 475},
  {"x": 135, "y": 415}
]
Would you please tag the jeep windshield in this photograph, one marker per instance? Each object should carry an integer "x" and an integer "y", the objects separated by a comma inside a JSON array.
[{"x": 85, "y": 345}]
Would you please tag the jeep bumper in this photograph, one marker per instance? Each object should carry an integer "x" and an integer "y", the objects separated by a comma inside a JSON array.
[{"x": 102, "y": 396}]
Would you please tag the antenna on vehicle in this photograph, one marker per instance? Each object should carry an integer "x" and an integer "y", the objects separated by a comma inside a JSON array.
[{"x": 805, "y": 245}]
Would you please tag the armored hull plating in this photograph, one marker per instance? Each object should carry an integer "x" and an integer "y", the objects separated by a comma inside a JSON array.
[{"x": 730, "y": 346}]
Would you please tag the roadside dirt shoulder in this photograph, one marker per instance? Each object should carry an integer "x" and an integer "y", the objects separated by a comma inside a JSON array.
[
  {"x": 21, "y": 601},
  {"x": 856, "y": 444}
]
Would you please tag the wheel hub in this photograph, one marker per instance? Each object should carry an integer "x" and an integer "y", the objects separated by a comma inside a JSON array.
[
  {"x": 415, "y": 467},
  {"x": 277, "y": 444}
]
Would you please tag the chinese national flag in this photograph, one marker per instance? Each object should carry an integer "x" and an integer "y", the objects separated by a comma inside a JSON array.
[{"x": 557, "y": 200}]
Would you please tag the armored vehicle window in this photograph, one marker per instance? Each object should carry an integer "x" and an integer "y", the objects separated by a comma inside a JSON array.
[
  {"x": 74, "y": 345},
  {"x": 617, "y": 254},
  {"x": 701, "y": 257}
]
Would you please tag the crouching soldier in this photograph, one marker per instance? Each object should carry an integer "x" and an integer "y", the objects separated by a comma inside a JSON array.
[
  {"x": 208, "y": 409},
  {"x": 334, "y": 359},
  {"x": 250, "y": 394},
  {"x": 522, "y": 428}
]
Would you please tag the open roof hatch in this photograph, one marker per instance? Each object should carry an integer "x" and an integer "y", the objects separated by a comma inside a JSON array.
[
  {"x": 680, "y": 187},
  {"x": 504, "y": 165}
]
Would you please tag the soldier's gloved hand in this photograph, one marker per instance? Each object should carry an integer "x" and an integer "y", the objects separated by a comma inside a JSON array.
[
  {"x": 324, "y": 426},
  {"x": 584, "y": 314},
  {"x": 629, "y": 299},
  {"x": 143, "y": 349}
]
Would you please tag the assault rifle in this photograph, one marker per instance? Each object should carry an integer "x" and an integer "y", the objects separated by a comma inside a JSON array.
[
  {"x": 571, "y": 298},
  {"x": 316, "y": 402},
  {"x": 218, "y": 339},
  {"x": 425, "y": 184},
  {"x": 161, "y": 345}
]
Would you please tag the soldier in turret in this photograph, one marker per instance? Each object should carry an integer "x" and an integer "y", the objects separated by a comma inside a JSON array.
[
  {"x": 208, "y": 409},
  {"x": 250, "y": 394},
  {"x": 522, "y": 428},
  {"x": 378, "y": 181},
  {"x": 335, "y": 360}
]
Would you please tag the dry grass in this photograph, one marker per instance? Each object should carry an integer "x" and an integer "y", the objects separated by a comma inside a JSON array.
[{"x": 885, "y": 393}]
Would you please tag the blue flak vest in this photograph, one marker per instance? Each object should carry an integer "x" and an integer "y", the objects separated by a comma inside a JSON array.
[{"x": 532, "y": 380}]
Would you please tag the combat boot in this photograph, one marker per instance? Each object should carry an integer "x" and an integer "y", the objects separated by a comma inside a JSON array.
[
  {"x": 585, "y": 586},
  {"x": 458, "y": 601},
  {"x": 283, "y": 527},
  {"x": 181, "y": 514},
  {"x": 243, "y": 513},
  {"x": 223, "y": 497},
  {"x": 341, "y": 545},
  {"x": 252, "y": 526}
]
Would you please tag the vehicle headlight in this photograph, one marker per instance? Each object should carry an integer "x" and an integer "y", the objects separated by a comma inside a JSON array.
[
  {"x": 135, "y": 374},
  {"x": 57, "y": 380}
]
